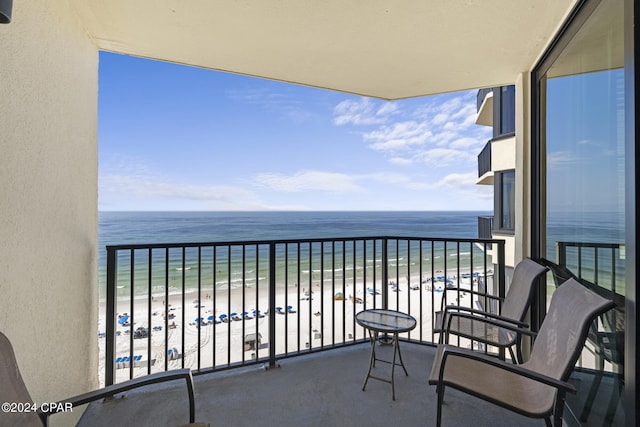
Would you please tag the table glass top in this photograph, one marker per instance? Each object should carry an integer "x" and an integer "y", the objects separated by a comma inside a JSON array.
[{"x": 386, "y": 320}]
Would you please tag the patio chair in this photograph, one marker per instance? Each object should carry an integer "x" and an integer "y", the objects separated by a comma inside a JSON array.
[
  {"x": 606, "y": 338},
  {"x": 537, "y": 387},
  {"x": 479, "y": 325},
  {"x": 13, "y": 390}
]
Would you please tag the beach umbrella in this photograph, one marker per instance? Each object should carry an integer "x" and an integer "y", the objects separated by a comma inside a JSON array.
[
  {"x": 233, "y": 314},
  {"x": 123, "y": 319},
  {"x": 278, "y": 308},
  {"x": 210, "y": 318},
  {"x": 223, "y": 316},
  {"x": 289, "y": 307}
]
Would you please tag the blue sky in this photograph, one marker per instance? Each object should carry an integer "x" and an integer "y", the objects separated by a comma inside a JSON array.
[{"x": 181, "y": 138}]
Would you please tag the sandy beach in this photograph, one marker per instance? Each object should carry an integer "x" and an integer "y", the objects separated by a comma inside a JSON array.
[{"x": 323, "y": 315}]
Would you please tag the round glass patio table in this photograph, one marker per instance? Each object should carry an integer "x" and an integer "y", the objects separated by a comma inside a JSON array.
[{"x": 384, "y": 321}]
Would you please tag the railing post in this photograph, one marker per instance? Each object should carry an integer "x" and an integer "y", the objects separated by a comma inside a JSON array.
[
  {"x": 272, "y": 305},
  {"x": 500, "y": 272},
  {"x": 110, "y": 345},
  {"x": 561, "y": 254},
  {"x": 385, "y": 273},
  {"x": 500, "y": 275}
]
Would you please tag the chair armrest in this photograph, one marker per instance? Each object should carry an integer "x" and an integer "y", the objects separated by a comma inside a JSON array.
[
  {"x": 112, "y": 390},
  {"x": 458, "y": 309},
  {"x": 502, "y": 322},
  {"x": 516, "y": 369},
  {"x": 471, "y": 291}
]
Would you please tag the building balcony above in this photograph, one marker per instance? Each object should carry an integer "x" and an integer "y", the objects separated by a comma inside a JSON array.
[
  {"x": 485, "y": 173},
  {"x": 485, "y": 107}
]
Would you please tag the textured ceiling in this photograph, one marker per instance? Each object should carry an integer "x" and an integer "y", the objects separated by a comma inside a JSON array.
[{"x": 384, "y": 49}]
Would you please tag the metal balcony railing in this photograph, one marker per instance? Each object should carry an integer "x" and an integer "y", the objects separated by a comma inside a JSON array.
[
  {"x": 482, "y": 94},
  {"x": 599, "y": 263},
  {"x": 484, "y": 160},
  {"x": 213, "y": 306},
  {"x": 485, "y": 227}
]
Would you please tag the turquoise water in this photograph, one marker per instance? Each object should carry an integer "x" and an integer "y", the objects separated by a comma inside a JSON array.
[
  {"x": 590, "y": 227},
  {"x": 122, "y": 228}
]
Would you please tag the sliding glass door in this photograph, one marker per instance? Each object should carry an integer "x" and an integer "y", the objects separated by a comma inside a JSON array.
[{"x": 581, "y": 151}]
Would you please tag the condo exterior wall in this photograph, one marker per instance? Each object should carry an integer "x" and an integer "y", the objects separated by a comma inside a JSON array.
[
  {"x": 522, "y": 165},
  {"x": 503, "y": 154},
  {"x": 48, "y": 203}
]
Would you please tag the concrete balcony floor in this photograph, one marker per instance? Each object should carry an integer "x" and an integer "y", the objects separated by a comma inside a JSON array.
[{"x": 322, "y": 389}]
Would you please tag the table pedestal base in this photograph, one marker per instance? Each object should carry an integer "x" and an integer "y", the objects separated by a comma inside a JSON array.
[{"x": 373, "y": 337}]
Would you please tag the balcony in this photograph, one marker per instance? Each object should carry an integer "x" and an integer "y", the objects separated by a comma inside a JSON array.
[
  {"x": 280, "y": 380},
  {"x": 485, "y": 227},
  {"x": 323, "y": 389},
  {"x": 485, "y": 107},
  {"x": 216, "y": 306},
  {"x": 485, "y": 173}
]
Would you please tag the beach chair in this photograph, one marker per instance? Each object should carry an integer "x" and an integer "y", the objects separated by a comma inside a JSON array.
[
  {"x": 537, "y": 387},
  {"x": 14, "y": 390},
  {"x": 606, "y": 339},
  {"x": 483, "y": 325}
]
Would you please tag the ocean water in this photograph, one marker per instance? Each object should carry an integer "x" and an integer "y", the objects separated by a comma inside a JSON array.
[
  {"x": 597, "y": 264},
  {"x": 179, "y": 227},
  {"x": 228, "y": 270},
  {"x": 122, "y": 228}
]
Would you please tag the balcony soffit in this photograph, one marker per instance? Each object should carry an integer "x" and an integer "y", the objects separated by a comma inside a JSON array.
[
  {"x": 485, "y": 179},
  {"x": 485, "y": 114},
  {"x": 388, "y": 50}
]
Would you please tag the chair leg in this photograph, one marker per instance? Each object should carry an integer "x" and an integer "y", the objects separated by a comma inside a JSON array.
[
  {"x": 440, "y": 391},
  {"x": 441, "y": 337},
  {"x": 614, "y": 399},
  {"x": 593, "y": 390},
  {"x": 558, "y": 409},
  {"x": 513, "y": 356},
  {"x": 519, "y": 350}
]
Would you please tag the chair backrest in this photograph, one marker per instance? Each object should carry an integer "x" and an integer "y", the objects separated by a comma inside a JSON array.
[
  {"x": 613, "y": 321},
  {"x": 520, "y": 291},
  {"x": 564, "y": 330},
  {"x": 13, "y": 390}
]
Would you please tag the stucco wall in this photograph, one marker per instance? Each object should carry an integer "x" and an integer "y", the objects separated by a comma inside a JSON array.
[
  {"x": 48, "y": 202},
  {"x": 503, "y": 154},
  {"x": 522, "y": 158}
]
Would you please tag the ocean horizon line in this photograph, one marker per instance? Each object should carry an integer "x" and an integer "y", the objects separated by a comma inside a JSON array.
[{"x": 291, "y": 210}]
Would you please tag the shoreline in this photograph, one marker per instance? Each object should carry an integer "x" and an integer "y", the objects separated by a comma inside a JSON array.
[{"x": 314, "y": 321}]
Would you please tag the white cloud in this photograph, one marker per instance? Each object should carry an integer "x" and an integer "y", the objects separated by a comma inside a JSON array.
[
  {"x": 435, "y": 132},
  {"x": 149, "y": 187},
  {"x": 385, "y": 177},
  {"x": 135, "y": 185},
  {"x": 398, "y": 136},
  {"x": 309, "y": 180},
  {"x": 282, "y": 103},
  {"x": 460, "y": 189},
  {"x": 457, "y": 180},
  {"x": 467, "y": 143},
  {"x": 561, "y": 158},
  {"x": 363, "y": 111},
  {"x": 445, "y": 157},
  {"x": 400, "y": 161}
]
